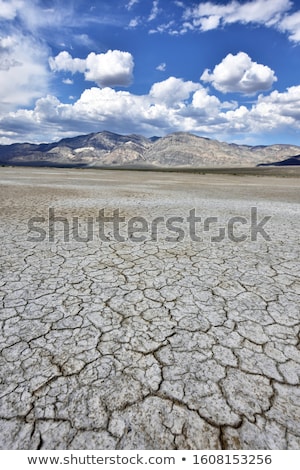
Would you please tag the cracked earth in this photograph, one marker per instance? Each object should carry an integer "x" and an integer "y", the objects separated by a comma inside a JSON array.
[{"x": 156, "y": 344}]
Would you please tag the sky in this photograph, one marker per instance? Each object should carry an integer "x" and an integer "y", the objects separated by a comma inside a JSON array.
[{"x": 226, "y": 70}]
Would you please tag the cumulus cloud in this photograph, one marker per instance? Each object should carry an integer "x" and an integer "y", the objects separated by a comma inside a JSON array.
[
  {"x": 110, "y": 69},
  {"x": 239, "y": 74},
  {"x": 277, "y": 112},
  {"x": 172, "y": 91},
  {"x": 202, "y": 100},
  {"x": 170, "y": 105},
  {"x": 65, "y": 62},
  {"x": 286, "y": 104}
]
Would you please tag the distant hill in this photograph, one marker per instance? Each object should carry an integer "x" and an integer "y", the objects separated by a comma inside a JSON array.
[
  {"x": 287, "y": 162},
  {"x": 180, "y": 149}
]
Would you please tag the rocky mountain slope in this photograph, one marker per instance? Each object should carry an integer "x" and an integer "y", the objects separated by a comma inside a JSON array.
[{"x": 179, "y": 149}]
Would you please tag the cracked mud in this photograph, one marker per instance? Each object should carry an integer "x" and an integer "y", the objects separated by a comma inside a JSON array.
[{"x": 156, "y": 344}]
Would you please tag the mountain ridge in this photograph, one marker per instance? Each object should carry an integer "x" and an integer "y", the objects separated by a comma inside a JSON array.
[{"x": 178, "y": 149}]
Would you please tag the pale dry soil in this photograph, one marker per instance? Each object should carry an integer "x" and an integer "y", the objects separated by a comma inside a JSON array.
[{"x": 160, "y": 344}]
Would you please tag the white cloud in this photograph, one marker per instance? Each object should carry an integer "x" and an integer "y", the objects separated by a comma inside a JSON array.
[
  {"x": 134, "y": 22},
  {"x": 154, "y": 11},
  {"x": 131, "y": 3},
  {"x": 65, "y": 62},
  {"x": 8, "y": 42},
  {"x": 68, "y": 81},
  {"x": 291, "y": 25},
  {"x": 171, "y": 105},
  {"x": 286, "y": 104},
  {"x": 202, "y": 100},
  {"x": 9, "y": 9},
  {"x": 83, "y": 40},
  {"x": 271, "y": 13},
  {"x": 7, "y": 53},
  {"x": 239, "y": 74},
  {"x": 162, "y": 67},
  {"x": 162, "y": 28},
  {"x": 24, "y": 75},
  {"x": 277, "y": 112},
  {"x": 172, "y": 91},
  {"x": 209, "y": 15},
  {"x": 210, "y": 22},
  {"x": 259, "y": 11},
  {"x": 110, "y": 69},
  {"x": 36, "y": 16},
  {"x": 106, "y": 104}
]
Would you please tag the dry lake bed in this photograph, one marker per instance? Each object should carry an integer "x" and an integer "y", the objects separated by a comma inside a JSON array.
[{"x": 144, "y": 310}]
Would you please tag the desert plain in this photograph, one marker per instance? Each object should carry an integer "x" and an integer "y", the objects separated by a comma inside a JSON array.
[{"x": 178, "y": 328}]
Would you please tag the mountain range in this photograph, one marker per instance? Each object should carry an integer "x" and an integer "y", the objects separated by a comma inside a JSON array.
[{"x": 179, "y": 149}]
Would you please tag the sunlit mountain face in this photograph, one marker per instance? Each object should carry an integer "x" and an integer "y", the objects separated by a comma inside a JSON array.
[{"x": 179, "y": 149}]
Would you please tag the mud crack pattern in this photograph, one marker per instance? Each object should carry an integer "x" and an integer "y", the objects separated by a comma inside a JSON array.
[{"x": 149, "y": 345}]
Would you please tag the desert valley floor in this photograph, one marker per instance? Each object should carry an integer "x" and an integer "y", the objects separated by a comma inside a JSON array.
[{"x": 179, "y": 337}]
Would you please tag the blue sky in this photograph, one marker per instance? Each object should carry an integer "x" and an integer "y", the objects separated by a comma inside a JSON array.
[{"x": 228, "y": 70}]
